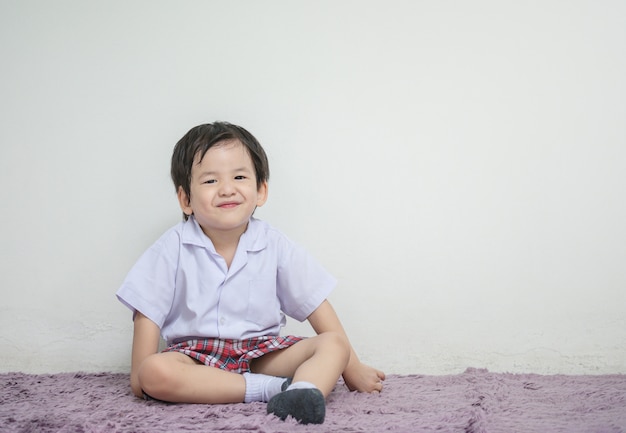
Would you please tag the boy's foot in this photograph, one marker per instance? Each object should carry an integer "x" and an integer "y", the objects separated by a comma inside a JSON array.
[{"x": 307, "y": 406}]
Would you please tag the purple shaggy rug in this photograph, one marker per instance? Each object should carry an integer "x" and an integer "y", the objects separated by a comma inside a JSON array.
[{"x": 475, "y": 401}]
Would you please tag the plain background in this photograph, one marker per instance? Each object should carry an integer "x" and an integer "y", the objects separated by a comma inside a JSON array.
[{"x": 459, "y": 166}]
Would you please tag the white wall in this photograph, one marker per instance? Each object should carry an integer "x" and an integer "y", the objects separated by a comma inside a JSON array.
[{"x": 459, "y": 166}]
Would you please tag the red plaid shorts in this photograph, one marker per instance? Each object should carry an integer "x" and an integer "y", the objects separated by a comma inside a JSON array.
[{"x": 231, "y": 355}]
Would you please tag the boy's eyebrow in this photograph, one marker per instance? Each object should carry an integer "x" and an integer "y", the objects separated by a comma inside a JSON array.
[{"x": 213, "y": 173}]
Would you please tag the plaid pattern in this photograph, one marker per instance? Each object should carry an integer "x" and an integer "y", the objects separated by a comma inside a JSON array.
[{"x": 231, "y": 355}]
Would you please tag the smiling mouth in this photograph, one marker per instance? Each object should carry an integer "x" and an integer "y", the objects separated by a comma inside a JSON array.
[{"x": 228, "y": 205}]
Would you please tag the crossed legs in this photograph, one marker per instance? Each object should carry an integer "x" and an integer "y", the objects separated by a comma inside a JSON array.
[{"x": 175, "y": 377}]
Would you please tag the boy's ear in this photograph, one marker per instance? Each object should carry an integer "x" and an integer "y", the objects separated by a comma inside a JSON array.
[
  {"x": 184, "y": 202},
  {"x": 262, "y": 194}
]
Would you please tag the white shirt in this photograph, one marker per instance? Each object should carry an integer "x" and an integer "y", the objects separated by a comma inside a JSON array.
[{"x": 184, "y": 286}]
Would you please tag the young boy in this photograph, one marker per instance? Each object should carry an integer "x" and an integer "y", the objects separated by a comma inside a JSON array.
[{"x": 217, "y": 287}]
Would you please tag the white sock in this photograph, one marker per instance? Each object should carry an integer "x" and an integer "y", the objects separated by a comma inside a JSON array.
[
  {"x": 301, "y": 385},
  {"x": 261, "y": 387}
]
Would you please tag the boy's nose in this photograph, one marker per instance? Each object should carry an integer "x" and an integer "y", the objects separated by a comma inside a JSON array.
[{"x": 226, "y": 188}]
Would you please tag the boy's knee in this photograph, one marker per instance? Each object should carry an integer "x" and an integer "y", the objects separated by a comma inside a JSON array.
[
  {"x": 154, "y": 377},
  {"x": 340, "y": 344}
]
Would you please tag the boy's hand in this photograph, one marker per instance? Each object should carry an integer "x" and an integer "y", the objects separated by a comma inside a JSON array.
[{"x": 363, "y": 378}]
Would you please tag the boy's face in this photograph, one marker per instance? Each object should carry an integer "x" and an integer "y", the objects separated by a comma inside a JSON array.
[{"x": 223, "y": 190}]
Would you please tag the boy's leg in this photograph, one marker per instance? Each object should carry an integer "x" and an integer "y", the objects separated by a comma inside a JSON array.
[
  {"x": 319, "y": 360},
  {"x": 175, "y": 377},
  {"x": 316, "y": 364}
]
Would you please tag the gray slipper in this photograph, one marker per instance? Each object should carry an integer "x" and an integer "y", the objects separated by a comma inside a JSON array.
[{"x": 306, "y": 405}]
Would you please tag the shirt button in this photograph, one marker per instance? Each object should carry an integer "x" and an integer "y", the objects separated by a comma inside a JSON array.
[{"x": 222, "y": 321}]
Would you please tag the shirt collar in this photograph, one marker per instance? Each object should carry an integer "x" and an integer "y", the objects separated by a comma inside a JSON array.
[{"x": 253, "y": 239}]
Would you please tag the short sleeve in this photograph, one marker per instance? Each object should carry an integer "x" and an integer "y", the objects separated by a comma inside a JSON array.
[
  {"x": 150, "y": 285},
  {"x": 302, "y": 283}
]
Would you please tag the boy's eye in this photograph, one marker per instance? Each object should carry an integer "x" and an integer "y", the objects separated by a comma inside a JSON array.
[
  {"x": 240, "y": 177},
  {"x": 210, "y": 181}
]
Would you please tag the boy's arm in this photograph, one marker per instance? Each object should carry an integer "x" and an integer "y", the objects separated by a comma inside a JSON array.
[
  {"x": 145, "y": 343},
  {"x": 358, "y": 376}
]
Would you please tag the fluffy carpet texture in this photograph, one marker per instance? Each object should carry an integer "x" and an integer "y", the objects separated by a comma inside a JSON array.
[{"x": 474, "y": 401}]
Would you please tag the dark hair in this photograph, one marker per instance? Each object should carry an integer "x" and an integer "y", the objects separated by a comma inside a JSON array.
[{"x": 201, "y": 138}]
